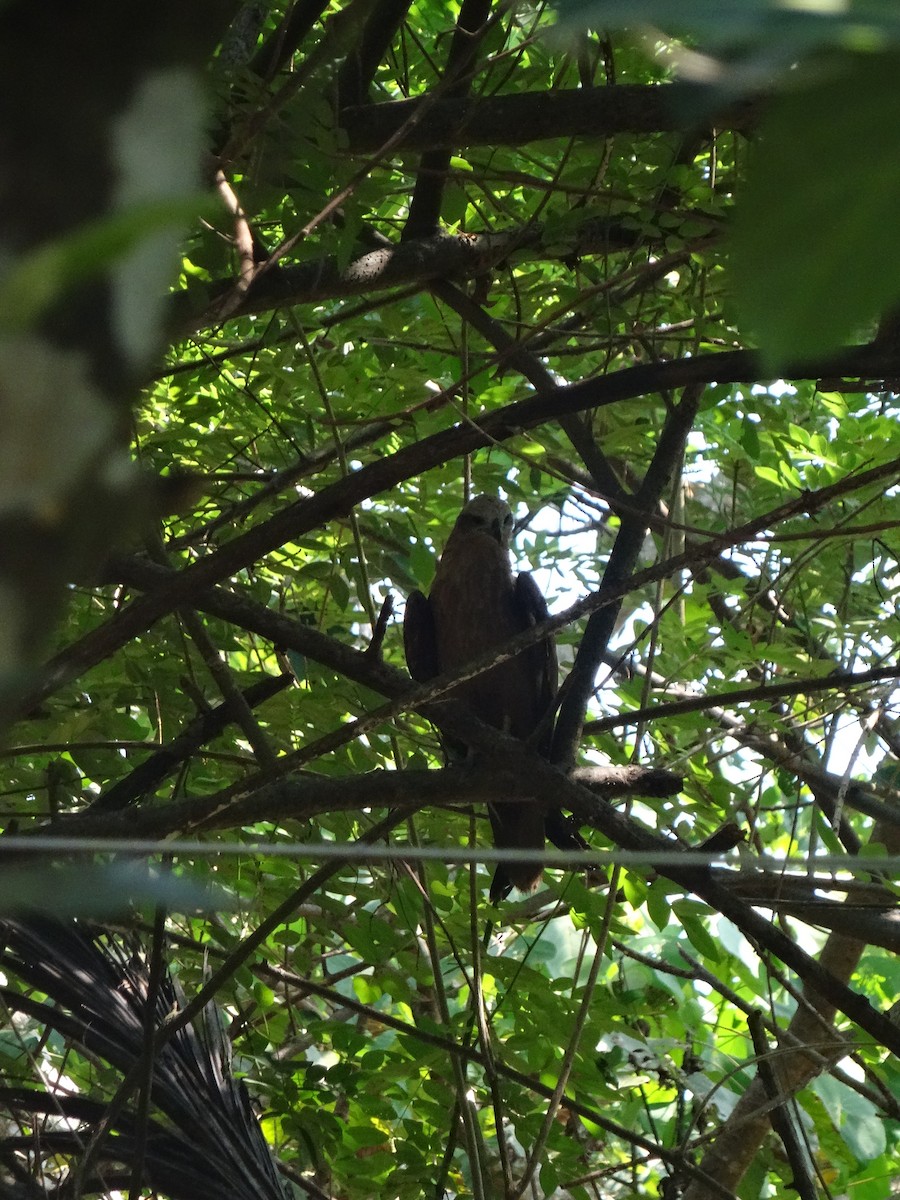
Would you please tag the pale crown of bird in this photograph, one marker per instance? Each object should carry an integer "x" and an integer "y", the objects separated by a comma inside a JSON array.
[{"x": 490, "y": 515}]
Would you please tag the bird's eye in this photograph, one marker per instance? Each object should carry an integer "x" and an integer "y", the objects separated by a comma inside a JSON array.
[{"x": 508, "y": 520}]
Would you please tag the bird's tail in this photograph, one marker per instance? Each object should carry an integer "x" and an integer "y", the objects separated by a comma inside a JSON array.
[{"x": 516, "y": 827}]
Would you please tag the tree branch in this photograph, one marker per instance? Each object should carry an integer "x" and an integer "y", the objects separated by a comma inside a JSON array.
[
  {"x": 622, "y": 560},
  {"x": 547, "y": 782},
  {"x": 188, "y": 585},
  {"x": 439, "y": 256},
  {"x": 359, "y": 67},
  {"x": 736, "y": 1144},
  {"x": 425, "y": 203},
  {"x": 301, "y": 796},
  {"x": 515, "y": 120},
  {"x": 148, "y": 775}
]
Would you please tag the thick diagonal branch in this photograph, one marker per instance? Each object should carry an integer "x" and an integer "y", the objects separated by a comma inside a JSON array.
[{"x": 622, "y": 561}]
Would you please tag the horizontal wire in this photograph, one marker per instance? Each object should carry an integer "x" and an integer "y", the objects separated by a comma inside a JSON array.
[{"x": 27, "y": 847}]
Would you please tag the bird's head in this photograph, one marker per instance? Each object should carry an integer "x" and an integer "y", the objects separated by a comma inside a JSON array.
[{"x": 490, "y": 515}]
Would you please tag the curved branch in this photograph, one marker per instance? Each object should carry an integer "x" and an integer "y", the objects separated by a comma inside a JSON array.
[{"x": 335, "y": 500}]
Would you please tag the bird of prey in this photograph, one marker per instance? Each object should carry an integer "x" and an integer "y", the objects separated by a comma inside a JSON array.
[{"x": 476, "y": 604}]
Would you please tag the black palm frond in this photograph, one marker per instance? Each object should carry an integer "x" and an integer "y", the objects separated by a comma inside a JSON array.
[{"x": 210, "y": 1144}]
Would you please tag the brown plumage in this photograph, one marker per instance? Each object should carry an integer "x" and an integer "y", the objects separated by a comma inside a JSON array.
[{"x": 476, "y": 603}]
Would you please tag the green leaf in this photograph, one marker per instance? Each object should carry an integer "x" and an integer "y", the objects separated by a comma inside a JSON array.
[
  {"x": 750, "y": 438},
  {"x": 658, "y": 905},
  {"x": 854, "y": 1116},
  {"x": 688, "y": 914},
  {"x": 815, "y": 251}
]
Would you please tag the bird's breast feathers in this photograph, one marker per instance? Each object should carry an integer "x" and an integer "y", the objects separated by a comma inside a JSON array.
[{"x": 473, "y": 599}]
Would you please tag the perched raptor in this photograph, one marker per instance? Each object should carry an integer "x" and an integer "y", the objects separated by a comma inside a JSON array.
[{"x": 476, "y": 603}]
